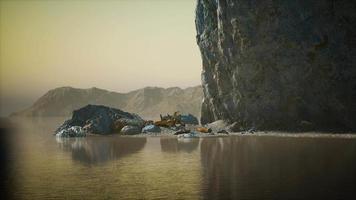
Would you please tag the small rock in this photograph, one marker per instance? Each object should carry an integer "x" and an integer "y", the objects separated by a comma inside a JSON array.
[
  {"x": 204, "y": 130},
  {"x": 189, "y": 119},
  {"x": 251, "y": 130},
  {"x": 217, "y": 125},
  {"x": 174, "y": 128},
  {"x": 151, "y": 129},
  {"x": 130, "y": 130},
  {"x": 188, "y": 135}
]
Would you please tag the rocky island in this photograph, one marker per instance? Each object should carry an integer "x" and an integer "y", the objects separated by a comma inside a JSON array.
[{"x": 102, "y": 120}]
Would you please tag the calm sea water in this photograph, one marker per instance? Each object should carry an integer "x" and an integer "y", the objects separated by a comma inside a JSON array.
[{"x": 235, "y": 167}]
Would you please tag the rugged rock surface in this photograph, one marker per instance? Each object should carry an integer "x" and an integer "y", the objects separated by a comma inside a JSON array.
[
  {"x": 147, "y": 102},
  {"x": 273, "y": 64},
  {"x": 98, "y": 119},
  {"x": 73, "y": 131}
]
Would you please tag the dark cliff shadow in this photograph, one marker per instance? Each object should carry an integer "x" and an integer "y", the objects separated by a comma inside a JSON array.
[
  {"x": 173, "y": 145},
  {"x": 278, "y": 168},
  {"x": 94, "y": 150}
]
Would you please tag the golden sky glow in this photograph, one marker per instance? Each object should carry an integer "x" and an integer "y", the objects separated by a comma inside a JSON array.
[{"x": 114, "y": 45}]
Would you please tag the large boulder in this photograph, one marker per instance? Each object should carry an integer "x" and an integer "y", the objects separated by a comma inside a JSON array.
[
  {"x": 273, "y": 64},
  {"x": 98, "y": 119}
]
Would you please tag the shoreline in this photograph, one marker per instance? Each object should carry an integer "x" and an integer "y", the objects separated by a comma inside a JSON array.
[
  {"x": 300, "y": 135},
  {"x": 258, "y": 134}
]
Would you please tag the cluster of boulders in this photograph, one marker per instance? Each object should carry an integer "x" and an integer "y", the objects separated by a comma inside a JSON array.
[{"x": 97, "y": 119}]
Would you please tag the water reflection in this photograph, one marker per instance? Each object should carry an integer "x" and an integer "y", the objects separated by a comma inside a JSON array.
[
  {"x": 233, "y": 167},
  {"x": 174, "y": 145},
  {"x": 96, "y": 150},
  {"x": 278, "y": 168}
]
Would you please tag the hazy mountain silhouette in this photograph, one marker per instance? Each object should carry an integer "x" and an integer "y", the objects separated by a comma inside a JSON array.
[{"x": 148, "y": 102}]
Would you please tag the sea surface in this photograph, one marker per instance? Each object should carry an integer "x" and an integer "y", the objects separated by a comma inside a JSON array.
[{"x": 42, "y": 166}]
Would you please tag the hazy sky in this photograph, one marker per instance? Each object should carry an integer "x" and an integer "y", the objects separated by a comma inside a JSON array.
[{"x": 116, "y": 45}]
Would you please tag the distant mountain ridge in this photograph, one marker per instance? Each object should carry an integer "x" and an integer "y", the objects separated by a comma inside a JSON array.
[{"x": 147, "y": 102}]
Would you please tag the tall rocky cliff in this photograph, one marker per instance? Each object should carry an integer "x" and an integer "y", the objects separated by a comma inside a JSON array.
[{"x": 278, "y": 64}]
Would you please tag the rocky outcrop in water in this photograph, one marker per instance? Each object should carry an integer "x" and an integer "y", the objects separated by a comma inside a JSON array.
[
  {"x": 278, "y": 64},
  {"x": 98, "y": 119}
]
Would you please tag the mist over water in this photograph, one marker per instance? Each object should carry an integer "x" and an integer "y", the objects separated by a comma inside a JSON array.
[{"x": 233, "y": 167}]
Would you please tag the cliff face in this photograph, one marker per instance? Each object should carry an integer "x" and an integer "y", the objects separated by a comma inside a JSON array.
[{"x": 278, "y": 64}]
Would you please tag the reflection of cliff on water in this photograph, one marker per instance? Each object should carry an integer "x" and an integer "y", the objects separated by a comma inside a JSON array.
[
  {"x": 173, "y": 145},
  {"x": 100, "y": 149},
  {"x": 277, "y": 168}
]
